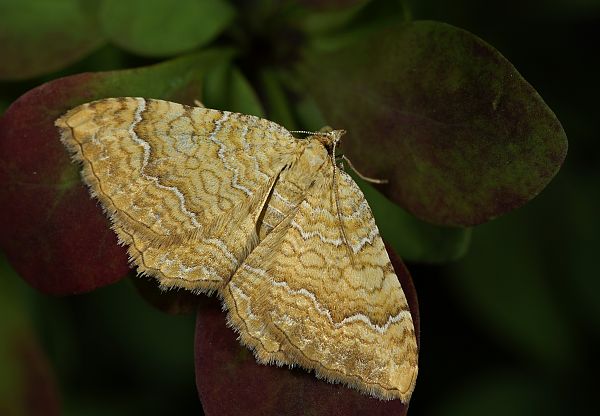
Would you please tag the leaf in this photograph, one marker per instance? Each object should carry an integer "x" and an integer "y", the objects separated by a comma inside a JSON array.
[
  {"x": 27, "y": 383},
  {"x": 413, "y": 239},
  {"x": 461, "y": 136},
  {"x": 226, "y": 369},
  {"x": 333, "y": 29},
  {"x": 161, "y": 28},
  {"x": 38, "y": 37},
  {"x": 276, "y": 101},
  {"x": 54, "y": 234},
  {"x": 226, "y": 88},
  {"x": 243, "y": 98}
]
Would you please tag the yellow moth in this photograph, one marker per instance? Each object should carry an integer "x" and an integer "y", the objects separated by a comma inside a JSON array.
[{"x": 211, "y": 200}]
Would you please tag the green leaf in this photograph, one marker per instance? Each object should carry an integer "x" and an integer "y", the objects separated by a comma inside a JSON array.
[
  {"x": 309, "y": 115},
  {"x": 38, "y": 36},
  {"x": 162, "y": 27},
  {"x": 226, "y": 88},
  {"x": 331, "y": 30},
  {"x": 276, "y": 100},
  {"x": 54, "y": 234},
  {"x": 413, "y": 239},
  {"x": 461, "y": 136},
  {"x": 243, "y": 98},
  {"x": 288, "y": 102}
]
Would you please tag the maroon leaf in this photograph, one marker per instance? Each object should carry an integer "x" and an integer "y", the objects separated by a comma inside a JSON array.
[
  {"x": 457, "y": 131},
  {"x": 231, "y": 382},
  {"x": 54, "y": 234}
]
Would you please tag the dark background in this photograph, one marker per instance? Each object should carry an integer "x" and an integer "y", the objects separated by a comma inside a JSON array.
[{"x": 510, "y": 329}]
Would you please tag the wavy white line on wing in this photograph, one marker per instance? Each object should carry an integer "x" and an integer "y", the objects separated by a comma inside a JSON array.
[
  {"x": 137, "y": 118},
  {"x": 403, "y": 314},
  {"x": 242, "y": 295},
  {"x": 251, "y": 155},
  {"x": 309, "y": 234},
  {"x": 359, "y": 212}
]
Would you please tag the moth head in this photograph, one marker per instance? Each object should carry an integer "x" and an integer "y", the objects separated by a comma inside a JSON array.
[{"x": 330, "y": 139}]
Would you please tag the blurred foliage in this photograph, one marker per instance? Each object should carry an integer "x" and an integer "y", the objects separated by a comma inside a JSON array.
[
  {"x": 157, "y": 28},
  {"x": 510, "y": 327},
  {"x": 27, "y": 382},
  {"x": 40, "y": 36}
]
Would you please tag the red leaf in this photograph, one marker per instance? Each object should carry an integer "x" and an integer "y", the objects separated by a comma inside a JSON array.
[{"x": 54, "y": 234}]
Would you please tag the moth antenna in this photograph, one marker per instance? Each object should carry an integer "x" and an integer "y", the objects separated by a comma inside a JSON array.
[
  {"x": 327, "y": 133},
  {"x": 360, "y": 175},
  {"x": 303, "y": 131}
]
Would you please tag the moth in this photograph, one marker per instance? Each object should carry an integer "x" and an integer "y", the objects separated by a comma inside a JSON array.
[{"x": 215, "y": 201}]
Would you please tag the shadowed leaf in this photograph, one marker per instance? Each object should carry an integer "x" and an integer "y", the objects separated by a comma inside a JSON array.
[
  {"x": 460, "y": 135},
  {"x": 224, "y": 368},
  {"x": 173, "y": 302},
  {"x": 335, "y": 28},
  {"x": 38, "y": 37},
  {"x": 162, "y": 28},
  {"x": 54, "y": 234},
  {"x": 226, "y": 88},
  {"x": 276, "y": 101}
]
